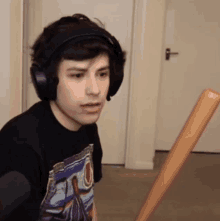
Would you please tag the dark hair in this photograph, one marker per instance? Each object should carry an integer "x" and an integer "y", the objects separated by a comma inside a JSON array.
[{"x": 83, "y": 50}]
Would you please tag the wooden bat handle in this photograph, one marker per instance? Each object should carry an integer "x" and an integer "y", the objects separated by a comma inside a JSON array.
[{"x": 186, "y": 141}]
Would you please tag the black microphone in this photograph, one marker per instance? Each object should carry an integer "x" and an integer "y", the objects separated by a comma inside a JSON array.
[{"x": 14, "y": 190}]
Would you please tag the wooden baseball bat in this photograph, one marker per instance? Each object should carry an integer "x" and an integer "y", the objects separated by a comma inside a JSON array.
[{"x": 186, "y": 141}]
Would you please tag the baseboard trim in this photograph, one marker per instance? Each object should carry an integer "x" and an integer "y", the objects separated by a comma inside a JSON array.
[{"x": 139, "y": 165}]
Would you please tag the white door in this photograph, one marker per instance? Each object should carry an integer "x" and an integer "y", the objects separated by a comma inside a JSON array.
[
  {"x": 192, "y": 30},
  {"x": 112, "y": 123}
]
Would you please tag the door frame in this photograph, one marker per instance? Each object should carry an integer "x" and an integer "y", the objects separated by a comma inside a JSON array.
[
  {"x": 16, "y": 57},
  {"x": 146, "y": 68}
]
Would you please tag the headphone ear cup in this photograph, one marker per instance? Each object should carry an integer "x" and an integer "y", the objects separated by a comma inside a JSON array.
[
  {"x": 52, "y": 88},
  {"x": 39, "y": 80}
]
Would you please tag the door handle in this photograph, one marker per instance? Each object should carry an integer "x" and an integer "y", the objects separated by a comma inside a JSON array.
[{"x": 168, "y": 53}]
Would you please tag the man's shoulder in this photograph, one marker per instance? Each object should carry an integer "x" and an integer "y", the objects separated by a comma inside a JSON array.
[
  {"x": 23, "y": 131},
  {"x": 23, "y": 124}
]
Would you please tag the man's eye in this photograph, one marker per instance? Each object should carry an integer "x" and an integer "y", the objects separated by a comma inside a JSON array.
[
  {"x": 76, "y": 75},
  {"x": 81, "y": 75},
  {"x": 105, "y": 74}
]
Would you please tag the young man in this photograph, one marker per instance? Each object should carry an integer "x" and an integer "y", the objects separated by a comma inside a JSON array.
[{"x": 51, "y": 154}]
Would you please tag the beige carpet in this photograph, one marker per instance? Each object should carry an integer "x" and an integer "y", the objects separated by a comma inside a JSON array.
[{"x": 194, "y": 194}]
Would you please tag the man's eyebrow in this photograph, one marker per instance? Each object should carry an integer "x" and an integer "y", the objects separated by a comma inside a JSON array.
[{"x": 82, "y": 69}]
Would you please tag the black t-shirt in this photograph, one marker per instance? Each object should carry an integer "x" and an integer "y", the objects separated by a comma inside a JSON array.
[{"x": 60, "y": 165}]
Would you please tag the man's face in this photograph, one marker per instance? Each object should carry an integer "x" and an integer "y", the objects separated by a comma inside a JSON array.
[{"x": 77, "y": 88}]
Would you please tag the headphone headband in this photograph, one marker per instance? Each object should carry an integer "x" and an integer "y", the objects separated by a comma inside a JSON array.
[{"x": 79, "y": 35}]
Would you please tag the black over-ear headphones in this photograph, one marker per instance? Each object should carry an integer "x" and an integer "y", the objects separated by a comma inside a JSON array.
[{"x": 46, "y": 87}]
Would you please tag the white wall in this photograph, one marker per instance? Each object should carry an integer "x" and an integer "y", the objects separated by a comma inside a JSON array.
[
  {"x": 5, "y": 61},
  {"x": 11, "y": 20}
]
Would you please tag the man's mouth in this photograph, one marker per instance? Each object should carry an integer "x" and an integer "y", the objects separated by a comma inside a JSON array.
[
  {"x": 92, "y": 108},
  {"x": 91, "y": 104}
]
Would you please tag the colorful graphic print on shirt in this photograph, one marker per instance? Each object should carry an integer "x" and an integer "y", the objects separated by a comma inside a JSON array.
[{"x": 70, "y": 189}]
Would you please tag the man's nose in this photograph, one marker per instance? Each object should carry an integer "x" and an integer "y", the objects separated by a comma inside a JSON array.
[{"x": 92, "y": 85}]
